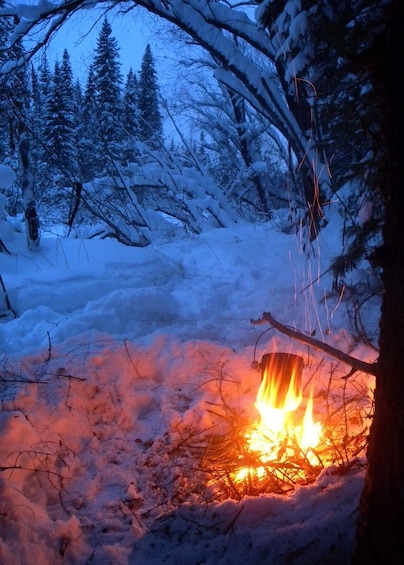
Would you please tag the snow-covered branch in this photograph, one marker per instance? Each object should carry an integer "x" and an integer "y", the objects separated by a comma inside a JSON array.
[{"x": 239, "y": 66}]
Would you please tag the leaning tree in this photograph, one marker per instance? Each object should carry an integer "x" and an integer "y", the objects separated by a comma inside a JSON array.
[{"x": 213, "y": 25}]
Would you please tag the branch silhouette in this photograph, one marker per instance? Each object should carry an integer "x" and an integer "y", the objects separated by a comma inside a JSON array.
[{"x": 356, "y": 364}]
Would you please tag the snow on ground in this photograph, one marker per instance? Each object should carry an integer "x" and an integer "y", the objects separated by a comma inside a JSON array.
[{"x": 120, "y": 359}]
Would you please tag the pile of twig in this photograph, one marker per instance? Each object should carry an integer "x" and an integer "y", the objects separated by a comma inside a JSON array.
[
  {"x": 218, "y": 463},
  {"x": 235, "y": 470}
]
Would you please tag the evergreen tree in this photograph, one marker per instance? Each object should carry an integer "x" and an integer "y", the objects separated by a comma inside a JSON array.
[
  {"x": 130, "y": 115},
  {"x": 45, "y": 76},
  {"x": 67, "y": 78},
  {"x": 41, "y": 79},
  {"x": 14, "y": 94},
  {"x": 90, "y": 158},
  {"x": 150, "y": 120},
  {"x": 77, "y": 103},
  {"x": 59, "y": 130},
  {"x": 36, "y": 123},
  {"x": 36, "y": 101},
  {"x": 70, "y": 115},
  {"x": 108, "y": 81},
  {"x": 327, "y": 88},
  {"x": 53, "y": 131}
]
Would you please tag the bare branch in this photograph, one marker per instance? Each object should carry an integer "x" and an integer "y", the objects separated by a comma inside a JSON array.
[{"x": 357, "y": 364}]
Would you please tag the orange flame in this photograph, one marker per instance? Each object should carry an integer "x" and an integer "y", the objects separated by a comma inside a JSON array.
[
  {"x": 279, "y": 432},
  {"x": 276, "y": 398}
]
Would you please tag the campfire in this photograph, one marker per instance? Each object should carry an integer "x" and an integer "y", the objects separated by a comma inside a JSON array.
[
  {"x": 279, "y": 433},
  {"x": 288, "y": 443}
]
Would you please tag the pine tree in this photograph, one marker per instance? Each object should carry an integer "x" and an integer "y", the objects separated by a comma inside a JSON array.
[
  {"x": 332, "y": 98},
  {"x": 150, "y": 120},
  {"x": 108, "y": 81},
  {"x": 53, "y": 127}
]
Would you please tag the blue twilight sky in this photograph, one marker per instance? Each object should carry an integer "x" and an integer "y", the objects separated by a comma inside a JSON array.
[{"x": 132, "y": 31}]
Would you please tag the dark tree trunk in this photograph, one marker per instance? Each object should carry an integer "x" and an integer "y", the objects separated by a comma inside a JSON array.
[
  {"x": 380, "y": 536},
  {"x": 27, "y": 189},
  {"x": 238, "y": 104}
]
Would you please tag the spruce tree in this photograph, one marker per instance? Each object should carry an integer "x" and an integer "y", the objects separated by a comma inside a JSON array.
[
  {"x": 45, "y": 75},
  {"x": 130, "y": 115},
  {"x": 36, "y": 105},
  {"x": 70, "y": 116},
  {"x": 67, "y": 78},
  {"x": 59, "y": 130},
  {"x": 108, "y": 82},
  {"x": 150, "y": 120},
  {"x": 36, "y": 124},
  {"x": 90, "y": 158}
]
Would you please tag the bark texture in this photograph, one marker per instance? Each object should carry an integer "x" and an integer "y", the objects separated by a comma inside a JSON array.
[{"x": 380, "y": 536}]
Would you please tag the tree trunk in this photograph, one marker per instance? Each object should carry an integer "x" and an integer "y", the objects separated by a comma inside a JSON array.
[
  {"x": 238, "y": 104},
  {"x": 380, "y": 536},
  {"x": 27, "y": 189}
]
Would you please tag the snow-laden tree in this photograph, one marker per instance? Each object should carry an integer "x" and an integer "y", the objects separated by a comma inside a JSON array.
[
  {"x": 4, "y": 36},
  {"x": 39, "y": 97},
  {"x": 60, "y": 128},
  {"x": 88, "y": 141},
  {"x": 37, "y": 104},
  {"x": 130, "y": 115},
  {"x": 213, "y": 25},
  {"x": 245, "y": 152},
  {"x": 14, "y": 94},
  {"x": 70, "y": 107},
  {"x": 150, "y": 120},
  {"x": 318, "y": 58},
  {"x": 28, "y": 195},
  {"x": 363, "y": 44},
  {"x": 45, "y": 75},
  {"x": 108, "y": 82}
]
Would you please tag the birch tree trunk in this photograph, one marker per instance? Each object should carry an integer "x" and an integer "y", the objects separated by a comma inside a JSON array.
[{"x": 27, "y": 189}]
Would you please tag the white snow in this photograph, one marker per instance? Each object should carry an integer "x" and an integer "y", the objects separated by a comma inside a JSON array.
[
  {"x": 7, "y": 176},
  {"x": 116, "y": 366}
]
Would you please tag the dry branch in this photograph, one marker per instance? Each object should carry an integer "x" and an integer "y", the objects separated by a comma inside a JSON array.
[
  {"x": 356, "y": 364},
  {"x": 6, "y": 298}
]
